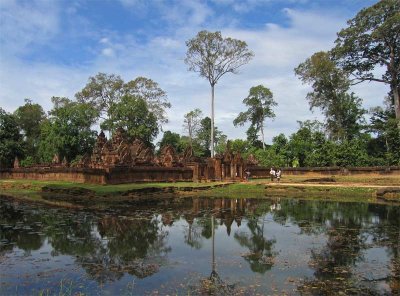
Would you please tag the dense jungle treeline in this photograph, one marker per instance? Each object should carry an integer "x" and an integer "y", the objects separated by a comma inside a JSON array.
[
  {"x": 349, "y": 135},
  {"x": 69, "y": 130}
]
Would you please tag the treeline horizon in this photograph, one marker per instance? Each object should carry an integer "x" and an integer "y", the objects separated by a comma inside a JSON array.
[{"x": 68, "y": 131}]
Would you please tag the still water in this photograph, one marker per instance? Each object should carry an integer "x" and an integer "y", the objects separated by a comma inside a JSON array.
[{"x": 201, "y": 247}]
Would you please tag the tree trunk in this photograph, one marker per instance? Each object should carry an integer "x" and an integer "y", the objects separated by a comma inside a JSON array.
[
  {"x": 396, "y": 96},
  {"x": 262, "y": 136},
  {"x": 212, "y": 120}
]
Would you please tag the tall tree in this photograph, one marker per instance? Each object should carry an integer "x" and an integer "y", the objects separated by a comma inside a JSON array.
[
  {"x": 343, "y": 112},
  {"x": 371, "y": 40},
  {"x": 259, "y": 102},
  {"x": 67, "y": 131},
  {"x": 104, "y": 91},
  {"x": 132, "y": 114},
  {"x": 212, "y": 56},
  {"x": 10, "y": 139},
  {"x": 191, "y": 123},
  {"x": 29, "y": 118}
]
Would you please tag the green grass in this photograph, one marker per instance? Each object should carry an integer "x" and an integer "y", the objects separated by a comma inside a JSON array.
[{"x": 106, "y": 195}]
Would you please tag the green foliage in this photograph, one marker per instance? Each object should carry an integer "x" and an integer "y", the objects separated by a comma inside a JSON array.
[
  {"x": 29, "y": 118},
  {"x": 343, "y": 111},
  {"x": 204, "y": 136},
  {"x": 386, "y": 146},
  {"x": 212, "y": 56},
  {"x": 10, "y": 139},
  {"x": 131, "y": 114},
  {"x": 352, "y": 153},
  {"x": 104, "y": 91},
  {"x": 252, "y": 137},
  {"x": 269, "y": 158},
  {"x": 280, "y": 144},
  {"x": 173, "y": 139},
  {"x": 259, "y": 102},
  {"x": 221, "y": 143},
  {"x": 67, "y": 132},
  {"x": 156, "y": 99},
  {"x": 239, "y": 145},
  {"x": 28, "y": 161},
  {"x": 372, "y": 40}
]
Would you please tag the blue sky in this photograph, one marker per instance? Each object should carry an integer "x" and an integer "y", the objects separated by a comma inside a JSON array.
[{"x": 51, "y": 48}]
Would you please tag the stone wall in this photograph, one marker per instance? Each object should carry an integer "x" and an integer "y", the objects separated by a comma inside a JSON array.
[
  {"x": 263, "y": 172},
  {"x": 119, "y": 175},
  {"x": 76, "y": 175},
  {"x": 116, "y": 175}
]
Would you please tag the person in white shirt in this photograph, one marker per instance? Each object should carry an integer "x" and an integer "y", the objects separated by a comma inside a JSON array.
[
  {"x": 278, "y": 175},
  {"x": 272, "y": 174}
]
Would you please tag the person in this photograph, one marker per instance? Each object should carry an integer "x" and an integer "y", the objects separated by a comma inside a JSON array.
[
  {"x": 278, "y": 175},
  {"x": 248, "y": 174},
  {"x": 272, "y": 173}
]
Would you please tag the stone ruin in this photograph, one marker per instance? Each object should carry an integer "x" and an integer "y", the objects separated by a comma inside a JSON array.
[{"x": 121, "y": 152}]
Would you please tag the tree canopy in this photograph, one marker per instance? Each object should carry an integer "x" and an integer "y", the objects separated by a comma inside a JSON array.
[
  {"x": 67, "y": 132},
  {"x": 29, "y": 118},
  {"x": 343, "y": 111},
  {"x": 132, "y": 114},
  {"x": 371, "y": 40},
  {"x": 104, "y": 91},
  {"x": 10, "y": 139},
  {"x": 259, "y": 102}
]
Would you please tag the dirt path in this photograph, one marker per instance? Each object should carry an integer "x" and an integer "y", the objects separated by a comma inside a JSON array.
[{"x": 336, "y": 184}]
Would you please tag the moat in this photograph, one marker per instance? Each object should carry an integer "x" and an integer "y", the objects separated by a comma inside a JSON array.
[{"x": 199, "y": 246}]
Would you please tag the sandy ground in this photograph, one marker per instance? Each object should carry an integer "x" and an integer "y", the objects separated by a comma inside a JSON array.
[{"x": 318, "y": 184}]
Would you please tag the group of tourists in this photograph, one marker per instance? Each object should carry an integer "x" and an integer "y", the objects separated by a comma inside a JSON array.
[{"x": 275, "y": 173}]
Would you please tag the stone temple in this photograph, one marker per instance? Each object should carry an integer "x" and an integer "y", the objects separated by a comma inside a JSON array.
[{"x": 119, "y": 160}]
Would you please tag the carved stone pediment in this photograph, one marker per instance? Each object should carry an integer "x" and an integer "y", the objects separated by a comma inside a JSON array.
[
  {"x": 168, "y": 156},
  {"x": 252, "y": 160}
]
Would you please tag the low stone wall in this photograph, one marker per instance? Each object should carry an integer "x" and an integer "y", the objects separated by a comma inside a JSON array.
[
  {"x": 76, "y": 175},
  {"x": 148, "y": 174},
  {"x": 263, "y": 172},
  {"x": 117, "y": 175}
]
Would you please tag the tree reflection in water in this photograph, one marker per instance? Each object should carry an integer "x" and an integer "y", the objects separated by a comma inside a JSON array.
[
  {"x": 260, "y": 255},
  {"x": 348, "y": 229},
  {"x": 214, "y": 285},
  {"x": 134, "y": 241}
]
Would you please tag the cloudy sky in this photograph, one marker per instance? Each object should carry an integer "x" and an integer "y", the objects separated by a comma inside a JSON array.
[{"x": 51, "y": 48}]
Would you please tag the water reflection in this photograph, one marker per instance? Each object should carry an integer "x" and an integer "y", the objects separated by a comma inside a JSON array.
[{"x": 252, "y": 246}]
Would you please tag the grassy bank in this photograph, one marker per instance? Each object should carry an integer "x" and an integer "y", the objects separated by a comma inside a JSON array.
[{"x": 355, "y": 188}]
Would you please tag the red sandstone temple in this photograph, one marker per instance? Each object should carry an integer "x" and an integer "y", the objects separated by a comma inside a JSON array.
[{"x": 118, "y": 160}]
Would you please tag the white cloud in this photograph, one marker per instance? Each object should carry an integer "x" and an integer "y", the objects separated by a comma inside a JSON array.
[
  {"x": 108, "y": 52},
  {"x": 25, "y": 24}
]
